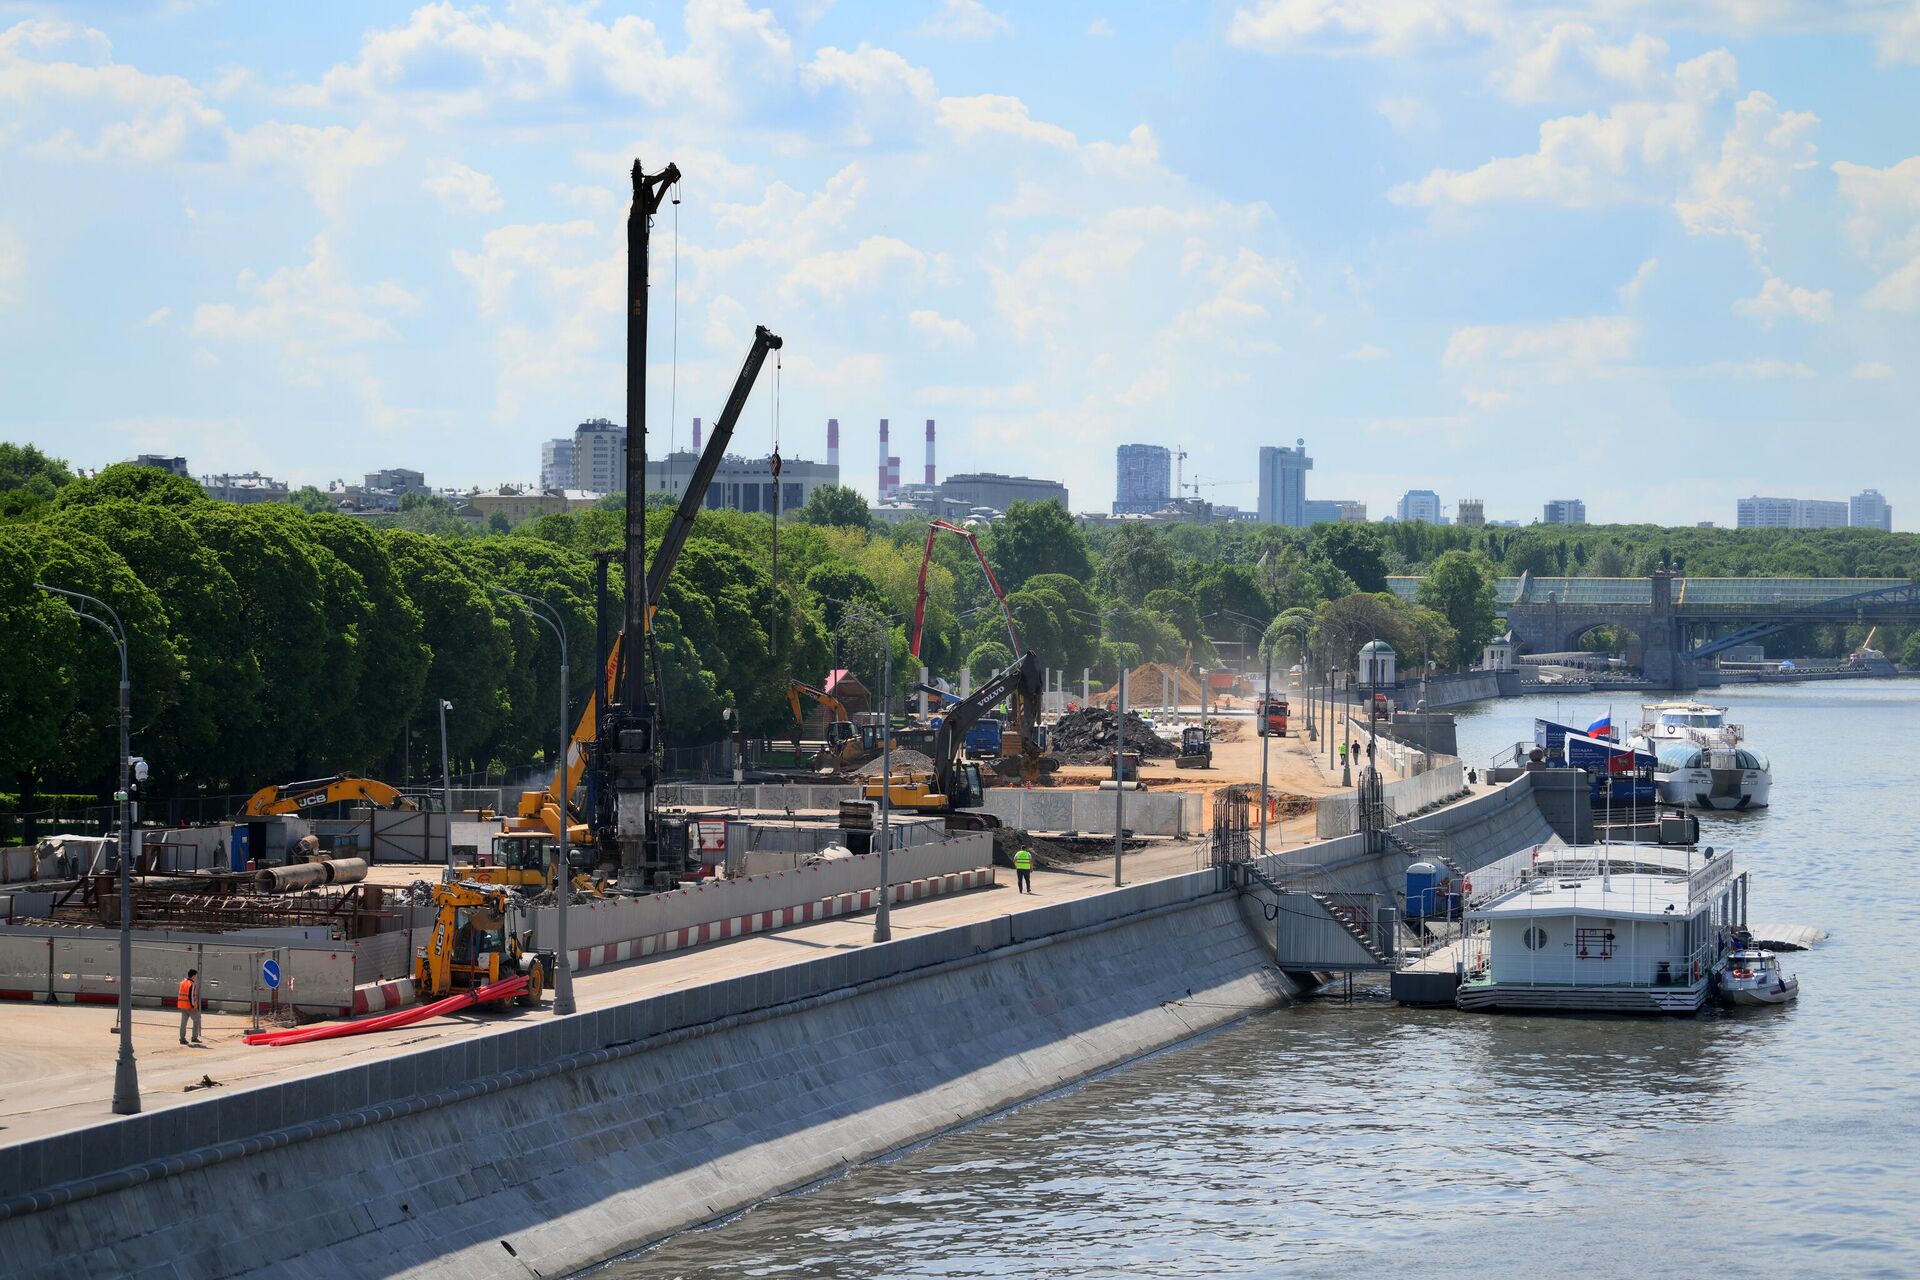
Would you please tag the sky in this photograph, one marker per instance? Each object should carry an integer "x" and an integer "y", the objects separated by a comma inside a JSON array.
[{"x": 1655, "y": 255}]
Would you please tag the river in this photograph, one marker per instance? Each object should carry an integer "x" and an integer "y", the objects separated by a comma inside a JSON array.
[{"x": 1365, "y": 1139}]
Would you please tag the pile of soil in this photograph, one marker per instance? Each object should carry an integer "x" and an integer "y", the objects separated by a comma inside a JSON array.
[
  {"x": 905, "y": 759},
  {"x": 1045, "y": 852},
  {"x": 1086, "y": 737},
  {"x": 1149, "y": 682}
]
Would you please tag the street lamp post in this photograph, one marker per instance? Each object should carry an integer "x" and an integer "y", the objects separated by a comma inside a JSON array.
[
  {"x": 883, "y": 919},
  {"x": 563, "y": 887},
  {"x": 446, "y": 783},
  {"x": 1266, "y": 691},
  {"x": 1120, "y": 778},
  {"x": 126, "y": 1077}
]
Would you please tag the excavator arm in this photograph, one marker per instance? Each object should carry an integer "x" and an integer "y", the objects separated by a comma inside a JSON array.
[
  {"x": 292, "y": 797},
  {"x": 1022, "y": 682}
]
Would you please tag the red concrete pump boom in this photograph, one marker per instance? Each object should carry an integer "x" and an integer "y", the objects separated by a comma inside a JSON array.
[{"x": 920, "y": 599}]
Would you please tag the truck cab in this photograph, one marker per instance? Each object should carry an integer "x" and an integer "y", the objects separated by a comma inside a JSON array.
[{"x": 1270, "y": 717}]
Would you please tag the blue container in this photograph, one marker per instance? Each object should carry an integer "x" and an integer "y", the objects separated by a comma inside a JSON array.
[
  {"x": 1423, "y": 882},
  {"x": 240, "y": 850}
]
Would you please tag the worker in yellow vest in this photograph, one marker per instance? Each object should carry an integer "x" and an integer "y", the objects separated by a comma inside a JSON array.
[
  {"x": 1023, "y": 869},
  {"x": 189, "y": 1003}
]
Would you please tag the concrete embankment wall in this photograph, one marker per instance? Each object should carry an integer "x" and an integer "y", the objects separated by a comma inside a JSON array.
[
  {"x": 573, "y": 1139},
  {"x": 1149, "y": 813}
]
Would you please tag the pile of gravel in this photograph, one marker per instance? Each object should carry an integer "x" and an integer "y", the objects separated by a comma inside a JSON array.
[
  {"x": 905, "y": 759},
  {"x": 1087, "y": 737}
]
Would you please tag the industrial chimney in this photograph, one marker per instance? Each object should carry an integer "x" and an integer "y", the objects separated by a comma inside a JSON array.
[
  {"x": 929, "y": 453},
  {"x": 696, "y": 435},
  {"x": 833, "y": 442},
  {"x": 883, "y": 460}
]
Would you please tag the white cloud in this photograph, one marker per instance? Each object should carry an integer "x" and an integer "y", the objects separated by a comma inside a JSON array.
[
  {"x": 1367, "y": 351},
  {"x": 939, "y": 331},
  {"x": 1486, "y": 399},
  {"x": 460, "y": 189},
  {"x": 1759, "y": 153},
  {"x": 309, "y": 307},
  {"x": 1900, "y": 39},
  {"x": 1409, "y": 115},
  {"x": 1573, "y": 62},
  {"x": 155, "y": 318},
  {"x": 1391, "y": 27},
  {"x": 832, "y": 274},
  {"x": 1777, "y": 299},
  {"x": 1150, "y": 386},
  {"x": 870, "y": 72},
  {"x": 964, "y": 20},
  {"x": 1885, "y": 227},
  {"x": 1630, "y": 291},
  {"x": 1872, "y": 371},
  {"x": 1100, "y": 27},
  {"x": 970, "y": 119},
  {"x": 1561, "y": 347}
]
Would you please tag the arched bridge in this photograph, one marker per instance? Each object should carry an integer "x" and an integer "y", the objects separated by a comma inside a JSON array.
[{"x": 1681, "y": 621}]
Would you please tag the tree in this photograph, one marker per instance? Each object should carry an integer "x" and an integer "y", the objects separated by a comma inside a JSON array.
[
  {"x": 989, "y": 659},
  {"x": 1342, "y": 626},
  {"x": 1230, "y": 598},
  {"x": 1178, "y": 609},
  {"x": 470, "y": 643},
  {"x": 837, "y": 507},
  {"x": 141, "y": 484},
  {"x": 1356, "y": 549},
  {"x": 1136, "y": 562},
  {"x": 1286, "y": 637},
  {"x": 836, "y": 586},
  {"x": 1910, "y": 652},
  {"x": 310, "y": 500},
  {"x": 29, "y": 480},
  {"x": 1034, "y": 538},
  {"x": 1459, "y": 587}
]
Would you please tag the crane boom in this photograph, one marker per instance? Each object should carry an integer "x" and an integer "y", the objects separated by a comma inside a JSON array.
[{"x": 920, "y": 597}]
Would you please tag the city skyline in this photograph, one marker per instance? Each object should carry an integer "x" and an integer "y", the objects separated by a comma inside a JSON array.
[{"x": 402, "y": 235}]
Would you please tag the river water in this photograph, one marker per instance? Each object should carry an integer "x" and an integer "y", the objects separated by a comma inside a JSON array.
[{"x": 1365, "y": 1139}]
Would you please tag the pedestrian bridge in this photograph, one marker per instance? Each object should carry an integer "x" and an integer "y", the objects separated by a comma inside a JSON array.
[{"x": 1677, "y": 622}]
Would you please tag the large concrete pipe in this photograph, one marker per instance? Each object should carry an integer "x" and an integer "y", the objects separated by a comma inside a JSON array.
[
  {"x": 299, "y": 875},
  {"x": 345, "y": 870}
]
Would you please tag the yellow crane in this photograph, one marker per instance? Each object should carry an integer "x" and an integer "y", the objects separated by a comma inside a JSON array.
[{"x": 474, "y": 942}]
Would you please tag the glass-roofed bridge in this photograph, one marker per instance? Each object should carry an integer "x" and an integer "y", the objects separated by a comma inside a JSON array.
[{"x": 1681, "y": 620}]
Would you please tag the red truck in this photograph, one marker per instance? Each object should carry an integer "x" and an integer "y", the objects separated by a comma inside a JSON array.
[{"x": 1270, "y": 717}]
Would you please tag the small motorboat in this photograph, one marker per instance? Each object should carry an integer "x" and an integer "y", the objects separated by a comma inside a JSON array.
[{"x": 1754, "y": 977}]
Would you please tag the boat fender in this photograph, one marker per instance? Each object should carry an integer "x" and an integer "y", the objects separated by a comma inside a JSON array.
[{"x": 1696, "y": 971}]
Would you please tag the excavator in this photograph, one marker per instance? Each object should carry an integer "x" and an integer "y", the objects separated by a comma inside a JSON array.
[
  {"x": 293, "y": 797},
  {"x": 953, "y": 787},
  {"x": 474, "y": 942},
  {"x": 848, "y": 745}
]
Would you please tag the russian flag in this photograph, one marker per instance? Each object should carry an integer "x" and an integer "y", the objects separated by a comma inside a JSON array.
[{"x": 1601, "y": 728}]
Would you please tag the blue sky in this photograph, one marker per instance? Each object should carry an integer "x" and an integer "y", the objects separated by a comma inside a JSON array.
[{"x": 1655, "y": 255}]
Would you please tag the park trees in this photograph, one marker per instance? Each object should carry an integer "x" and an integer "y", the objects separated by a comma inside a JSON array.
[
  {"x": 1459, "y": 587},
  {"x": 835, "y": 507}
]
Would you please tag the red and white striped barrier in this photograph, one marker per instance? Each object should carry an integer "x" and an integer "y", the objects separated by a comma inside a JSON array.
[
  {"x": 375, "y": 997},
  {"x": 839, "y": 904}
]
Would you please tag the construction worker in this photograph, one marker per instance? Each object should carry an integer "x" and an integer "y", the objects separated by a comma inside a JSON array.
[
  {"x": 1023, "y": 869},
  {"x": 189, "y": 1003}
]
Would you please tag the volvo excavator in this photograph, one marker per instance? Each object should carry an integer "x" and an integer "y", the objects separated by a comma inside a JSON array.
[
  {"x": 953, "y": 787},
  {"x": 293, "y": 797}
]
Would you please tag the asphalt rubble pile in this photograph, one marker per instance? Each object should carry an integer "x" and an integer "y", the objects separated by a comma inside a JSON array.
[{"x": 1086, "y": 737}]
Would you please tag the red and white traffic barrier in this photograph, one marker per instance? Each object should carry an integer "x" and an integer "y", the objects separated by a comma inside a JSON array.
[{"x": 377, "y": 997}]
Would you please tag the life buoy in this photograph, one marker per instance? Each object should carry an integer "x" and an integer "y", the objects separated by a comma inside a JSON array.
[{"x": 1466, "y": 887}]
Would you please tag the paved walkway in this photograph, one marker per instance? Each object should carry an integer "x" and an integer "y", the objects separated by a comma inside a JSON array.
[{"x": 57, "y": 1060}]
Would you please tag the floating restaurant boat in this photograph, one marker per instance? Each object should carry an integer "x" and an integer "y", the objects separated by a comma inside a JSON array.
[
  {"x": 1753, "y": 976},
  {"x": 1701, "y": 760},
  {"x": 1602, "y": 928}
]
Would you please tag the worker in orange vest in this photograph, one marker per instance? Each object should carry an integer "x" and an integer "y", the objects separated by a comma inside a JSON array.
[{"x": 189, "y": 1003}]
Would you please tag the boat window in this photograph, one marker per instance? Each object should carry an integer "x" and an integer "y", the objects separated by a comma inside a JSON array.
[
  {"x": 1534, "y": 938},
  {"x": 1750, "y": 759},
  {"x": 1679, "y": 755}
]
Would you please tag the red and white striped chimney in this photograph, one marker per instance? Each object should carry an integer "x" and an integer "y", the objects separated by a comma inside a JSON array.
[
  {"x": 883, "y": 461},
  {"x": 696, "y": 435},
  {"x": 833, "y": 442},
  {"x": 929, "y": 453},
  {"x": 893, "y": 475}
]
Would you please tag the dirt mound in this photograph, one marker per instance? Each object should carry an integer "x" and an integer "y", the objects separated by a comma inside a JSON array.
[
  {"x": 905, "y": 759},
  {"x": 1045, "y": 852},
  {"x": 1086, "y": 737},
  {"x": 1149, "y": 683}
]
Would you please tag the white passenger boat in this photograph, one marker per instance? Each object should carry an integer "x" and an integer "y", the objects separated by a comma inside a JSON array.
[
  {"x": 1617, "y": 929},
  {"x": 1753, "y": 977},
  {"x": 1701, "y": 760}
]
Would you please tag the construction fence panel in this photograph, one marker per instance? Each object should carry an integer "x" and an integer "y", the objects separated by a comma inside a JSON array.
[{"x": 86, "y": 968}]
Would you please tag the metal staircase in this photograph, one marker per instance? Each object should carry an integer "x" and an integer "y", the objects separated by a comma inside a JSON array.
[
  {"x": 1342, "y": 913},
  {"x": 1418, "y": 842}
]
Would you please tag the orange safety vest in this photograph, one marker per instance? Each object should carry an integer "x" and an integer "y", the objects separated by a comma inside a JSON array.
[{"x": 186, "y": 993}]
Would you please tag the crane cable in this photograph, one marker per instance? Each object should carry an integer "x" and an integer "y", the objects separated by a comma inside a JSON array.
[
  {"x": 773, "y": 414},
  {"x": 673, "y": 378}
]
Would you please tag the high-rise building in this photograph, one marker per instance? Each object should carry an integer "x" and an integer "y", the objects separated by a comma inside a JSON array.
[
  {"x": 1143, "y": 475},
  {"x": 556, "y": 463},
  {"x": 1868, "y": 510},
  {"x": 1328, "y": 510},
  {"x": 1473, "y": 511},
  {"x": 1564, "y": 511},
  {"x": 1789, "y": 513},
  {"x": 1418, "y": 504},
  {"x": 599, "y": 457},
  {"x": 1283, "y": 484}
]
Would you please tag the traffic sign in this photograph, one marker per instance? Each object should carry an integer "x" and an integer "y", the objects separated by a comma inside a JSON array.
[{"x": 270, "y": 974}]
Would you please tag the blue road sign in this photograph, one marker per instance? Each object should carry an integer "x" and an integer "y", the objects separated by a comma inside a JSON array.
[{"x": 270, "y": 974}]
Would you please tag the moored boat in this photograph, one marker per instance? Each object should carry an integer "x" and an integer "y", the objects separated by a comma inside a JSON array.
[
  {"x": 1702, "y": 761},
  {"x": 1753, "y": 976}
]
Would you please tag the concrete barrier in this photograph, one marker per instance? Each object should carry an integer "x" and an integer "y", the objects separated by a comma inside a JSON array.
[
  {"x": 1338, "y": 815},
  {"x": 38, "y": 963},
  {"x": 1148, "y": 813}
]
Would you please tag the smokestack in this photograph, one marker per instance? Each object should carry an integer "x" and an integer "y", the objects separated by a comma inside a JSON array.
[
  {"x": 929, "y": 453},
  {"x": 833, "y": 442},
  {"x": 893, "y": 475},
  {"x": 696, "y": 435},
  {"x": 883, "y": 460}
]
